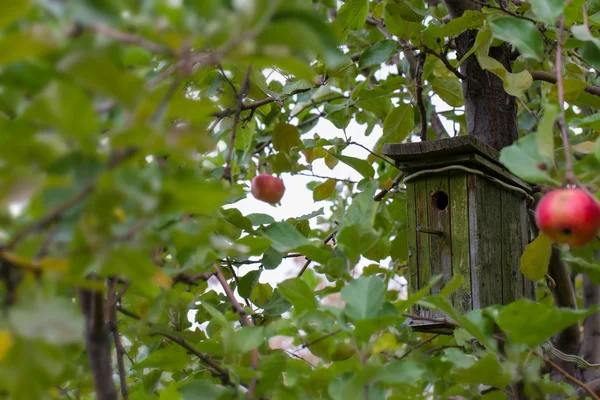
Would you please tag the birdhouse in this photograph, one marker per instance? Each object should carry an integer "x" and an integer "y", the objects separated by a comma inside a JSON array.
[{"x": 467, "y": 215}]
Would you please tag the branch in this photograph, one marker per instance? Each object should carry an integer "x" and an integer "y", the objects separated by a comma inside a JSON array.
[
  {"x": 590, "y": 345},
  {"x": 327, "y": 177},
  {"x": 551, "y": 78},
  {"x": 419, "y": 95},
  {"x": 214, "y": 368},
  {"x": 569, "y": 176},
  {"x": 55, "y": 214},
  {"x": 456, "y": 72},
  {"x": 112, "y": 302},
  {"x": 379, "y": 196},
  {"x": 129, "y": 38},
  {"x": 570, "y": 377},
  {"x": 308, "y": 260},
  {"x": 245, "y": 320},
  {"x": 568, "y": 340},
  {"x": 98, "y": 344},
  {"x": 438, "y": 127},
  {"x": 236, "y": 120},
  {"x": 382, "y": 158}
]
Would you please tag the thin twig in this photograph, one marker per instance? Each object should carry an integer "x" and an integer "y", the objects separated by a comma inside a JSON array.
[
  {"x": 112, "y": 312},
  {"x": 308, "y": 260},
  {"x": 129, "y": 38},
  {"x": 419, "y": 95},
  {"x": 384, "y": 159},
  {"x": 552, "y": 78},
  {"x": 379, "y": 196},
  {"x": 305, "y": 345},
  {"x": 326, "y": 177},
  {"x": 245, "y": 320},
  {"x": 504, "y": 10},
  {"x": 456, "y": 72},
  {"x": 568, "y": 376},
  {"x": 421, "y": 344},
  {"x": 569, "y": 176},
  {"x": 236, "y": 120},
  {"x": 216, "y": 369}
]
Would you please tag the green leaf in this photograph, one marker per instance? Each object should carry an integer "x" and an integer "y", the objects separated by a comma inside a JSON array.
[
  {"x": 406, "y": 372},
  {"x": 378, "y": 53},
  {"x": 298, "y": 293},
  {"x": 284, "y": 236},
  {"x": 530, "y": 323},
  {"x": 67, "y": 108},
  {"x": 361, "y": 166},
  {"x": 98, "y": 73},
  {"x": 353, "y": 14},
  {"x": 188, "y": 192},
  {"x": 285, "y": 137},
  {"x": 529, "y": 41},
  {"x": 10, "y": 11},
  {"x": 129, "y": 263},
  {"x": 488, "y": 370},
  {"x": 545, "y": 133},
  {"x": 522, "y": 159},
  {"x": 55, "y": 320},
  {"x": 260, "y": 219},
  {"x": 247, "y": 283},
  {"x": 271, "y": 258},
  {"x": 364, "y": 297},
  {"x": 324, "y": 190},
  {"x": 535, "y": 259},
  {"x": 547, "y": 11},
  {"x": 25, "y": 45},
  {"x": 398, "y": 124},
  {"x": 450, "y": 90},
  {"x": 277, "y": 304},
  {"x": 201, "y": 389},
  {"x": 597, "y": 149},
  {"x": 250, "y": 337},
  {"x": 171, "y": 358}
]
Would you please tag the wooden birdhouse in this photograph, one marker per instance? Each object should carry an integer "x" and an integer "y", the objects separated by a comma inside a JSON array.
[{"x": 467, "y": 214}]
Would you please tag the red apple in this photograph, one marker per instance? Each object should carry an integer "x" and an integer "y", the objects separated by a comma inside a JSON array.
[
  {"x": 267, "y": 188},
  {"x": 568, "y": 216}
]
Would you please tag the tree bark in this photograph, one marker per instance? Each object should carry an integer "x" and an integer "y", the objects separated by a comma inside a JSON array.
[
  {"x": 490, "y": 111},
  {"x": 98, "y": 344}
]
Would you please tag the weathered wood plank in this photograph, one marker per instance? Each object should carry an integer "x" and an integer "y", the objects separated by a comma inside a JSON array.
[
  {"x": 459, "y": 226},
  {"x": 421, "y": 200},
  {"x": 512, "y": 245},
  {"x": 529, "y": 286},
  {"x": 413, "y": 265},
  {"x": 440, "y": 257},
  {"x": 485, "y": 223}
]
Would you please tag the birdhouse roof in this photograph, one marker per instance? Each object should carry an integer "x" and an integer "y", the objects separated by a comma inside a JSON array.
[{"x": 465, "y": 150}]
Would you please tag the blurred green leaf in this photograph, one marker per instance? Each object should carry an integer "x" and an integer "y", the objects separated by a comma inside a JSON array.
[
  {"x": 363, "y": 297},
  {"x": 531, "y": 323},
  {"x": 535, "y": 259},
  {"x": 298, "y": 293}
]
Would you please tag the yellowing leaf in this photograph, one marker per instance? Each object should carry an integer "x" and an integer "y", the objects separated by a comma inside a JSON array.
[
  {"x": 586, "y": 147},
  {"x": 162, "y": 280},
  {"x": 324, "y": 190},
  {"x": 6, "y": 342},
  {"x": 385, "y": 342},
  {"x": 54, "y": 264},
  {"x": 285, "y": 136},
  {"x": 535, "y": 259}
]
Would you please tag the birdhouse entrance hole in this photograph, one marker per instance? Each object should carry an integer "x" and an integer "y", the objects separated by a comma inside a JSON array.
[{"x": 440, "y": 200}]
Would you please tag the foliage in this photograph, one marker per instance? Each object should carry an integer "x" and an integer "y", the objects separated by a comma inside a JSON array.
[{"x": 130, "y": 130}]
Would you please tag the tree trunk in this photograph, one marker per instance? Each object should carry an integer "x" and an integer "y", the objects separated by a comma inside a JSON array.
[{"x": 491, "y": 113}]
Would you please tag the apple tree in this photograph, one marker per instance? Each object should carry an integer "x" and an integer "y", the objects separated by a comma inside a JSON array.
[{"x": 130, "y": 133}]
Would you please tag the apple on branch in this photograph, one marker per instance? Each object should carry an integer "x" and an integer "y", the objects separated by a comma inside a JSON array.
[
  {"x": 569, "y": 216},
  {"x": 267, "y": 188}
]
